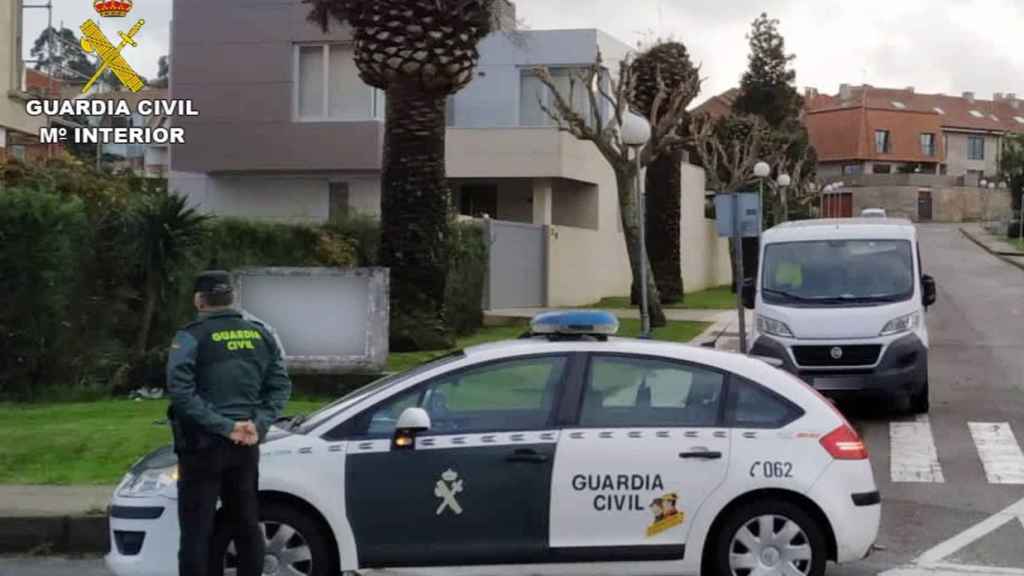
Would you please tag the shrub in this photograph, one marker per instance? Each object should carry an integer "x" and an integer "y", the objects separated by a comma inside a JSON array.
[
  {"x": 467, "y": 276},
  {"x": 42, "y": 237}
]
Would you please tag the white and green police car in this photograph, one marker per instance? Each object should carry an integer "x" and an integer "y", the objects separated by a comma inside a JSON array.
[{"x": 566, "y": 452}]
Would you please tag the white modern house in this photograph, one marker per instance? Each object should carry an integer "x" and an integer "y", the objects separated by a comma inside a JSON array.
[{"x": 298, "y": 137}]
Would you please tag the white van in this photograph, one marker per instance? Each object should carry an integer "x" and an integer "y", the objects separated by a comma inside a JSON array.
[{"x": 842, "y": 304}]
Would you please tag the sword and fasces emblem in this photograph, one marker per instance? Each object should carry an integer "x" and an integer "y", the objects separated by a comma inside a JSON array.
[{"x": 93, "y": 40}]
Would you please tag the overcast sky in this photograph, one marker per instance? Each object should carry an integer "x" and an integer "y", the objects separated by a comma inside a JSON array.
[{"x": 947, "y": 46}]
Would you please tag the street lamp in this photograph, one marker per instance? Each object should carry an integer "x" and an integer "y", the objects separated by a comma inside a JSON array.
[
  {"x": 784, "y": 181},
  {"x": 636, "y": 132},
  {"x": 762, "y": 170}
]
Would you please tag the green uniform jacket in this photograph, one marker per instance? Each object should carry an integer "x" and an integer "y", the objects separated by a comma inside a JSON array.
[{"x": 224, "y": 368}]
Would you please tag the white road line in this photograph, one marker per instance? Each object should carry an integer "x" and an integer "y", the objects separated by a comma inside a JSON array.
[
  {"x": 1000, "y": 454},
  {"x": 913, "y": 457},
  {"x": 972, "y": 534}
]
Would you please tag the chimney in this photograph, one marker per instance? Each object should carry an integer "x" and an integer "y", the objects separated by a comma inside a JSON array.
[
  {"x": 1012, "y": 99},
  {"x": 969, "y": 96},
  {"x": 910, "y": 89},
  {"x": 845, "y": 92},
  {"x": 810, "y": 92},
  {"x": 997, "y": 97}
]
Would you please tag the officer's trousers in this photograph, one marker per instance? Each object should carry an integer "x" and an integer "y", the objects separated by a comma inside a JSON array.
[{"x": 230, "y": 473}]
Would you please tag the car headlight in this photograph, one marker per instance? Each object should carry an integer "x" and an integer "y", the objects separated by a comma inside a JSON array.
[
  {"x": 902, "y": 324},
  {"x": 773, "y": 327},
  {"x": 150, "y": 482}
]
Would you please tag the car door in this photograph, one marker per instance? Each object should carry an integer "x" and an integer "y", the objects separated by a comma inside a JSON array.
[
  {"x": 475, "y": 488},
  {"x": 647, "y": 448}
]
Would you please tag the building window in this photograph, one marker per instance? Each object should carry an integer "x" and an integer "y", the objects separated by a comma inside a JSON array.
[
  {"x": 883, "y": 144},
  {"x": 883, "y": 169},
  {"x": 339, "y": 202},
  {"x": 852, "y": 169},
  {"x": 328, "y": 87},
  {"x": 477, "y": 200},
  {"x": 533, "y": 94},
  {"x": 928, "y": 144},
  {"x": 975, "y": 148}
]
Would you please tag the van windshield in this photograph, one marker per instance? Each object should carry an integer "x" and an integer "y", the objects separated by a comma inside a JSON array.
[{"x": 831, "y": 272}]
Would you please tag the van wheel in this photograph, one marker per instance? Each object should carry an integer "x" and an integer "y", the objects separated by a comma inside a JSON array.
[
  {"x": 769, "y": 538},
  {"x": 919, "y": 402},
  {"x": 294, "y": 543}
]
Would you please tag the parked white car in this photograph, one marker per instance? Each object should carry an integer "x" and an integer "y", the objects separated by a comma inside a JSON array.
[
  {"x": 567, "y": 452},
  {"x": 841, "y": 303},
  {"x": 872, "y": 213}
]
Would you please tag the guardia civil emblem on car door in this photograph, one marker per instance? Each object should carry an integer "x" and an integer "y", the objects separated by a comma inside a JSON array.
[
  {"x": 446, "y": 488},
  {"x": 666, "y": 515}
]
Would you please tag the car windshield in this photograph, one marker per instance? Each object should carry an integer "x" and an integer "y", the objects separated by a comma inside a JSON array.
[
  {"x": 311, "y": 421},
  {"x": 833, "y": 272}
]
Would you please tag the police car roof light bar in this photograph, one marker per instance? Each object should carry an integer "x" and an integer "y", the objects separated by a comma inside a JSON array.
[{"x": 596, "y": 323}]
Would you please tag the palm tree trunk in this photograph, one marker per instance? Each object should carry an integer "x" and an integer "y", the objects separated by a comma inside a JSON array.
[
  {"x": 626, "y": 181},
  {"x": 664, "y": 214},
  {"x": 414, "y": 218},
  {"x": 148, "y": 310}
]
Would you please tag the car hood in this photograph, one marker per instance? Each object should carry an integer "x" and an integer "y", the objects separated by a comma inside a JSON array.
[
  {"x": 165, "y": 456},
  {"x": 837, "y": 323}
]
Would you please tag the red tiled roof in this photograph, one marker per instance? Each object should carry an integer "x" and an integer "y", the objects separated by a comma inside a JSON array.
[{"x": 718, "y": 106}]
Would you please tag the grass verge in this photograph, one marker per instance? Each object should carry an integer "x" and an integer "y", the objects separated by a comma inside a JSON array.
[{"x": 719, "y": 298}]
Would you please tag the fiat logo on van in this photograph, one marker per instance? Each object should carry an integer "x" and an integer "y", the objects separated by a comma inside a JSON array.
[{"x": 836, "y": 352}]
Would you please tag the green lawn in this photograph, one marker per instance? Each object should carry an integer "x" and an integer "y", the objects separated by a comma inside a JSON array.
[
  {"x": 88, "y": 443},
  {"x": 675, "y": 332},
  {"x": 96, "y": 442},
  {"x": 720, "y": 298}
]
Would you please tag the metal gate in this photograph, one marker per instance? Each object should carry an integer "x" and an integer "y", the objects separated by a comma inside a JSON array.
[
  {"x": 517, "y": 275},
  {"x": 924, "y": 205}
]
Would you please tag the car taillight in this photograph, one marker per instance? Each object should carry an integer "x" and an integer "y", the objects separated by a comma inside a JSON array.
[{"x": 844, "y": 443}]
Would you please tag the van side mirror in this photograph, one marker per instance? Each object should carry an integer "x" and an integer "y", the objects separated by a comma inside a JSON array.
[
  {"x": 748, "y": 293},
  {"x": 412, "y": 422},
  {"x": 928, "y": 290}
]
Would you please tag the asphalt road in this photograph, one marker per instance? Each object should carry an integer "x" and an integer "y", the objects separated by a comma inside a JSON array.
[{"x": 977, "y": 379}]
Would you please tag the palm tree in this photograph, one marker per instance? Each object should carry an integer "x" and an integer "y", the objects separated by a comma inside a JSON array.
[
  {"x": 168, "y": 231},
  {"x": 419, "y": 52},
  {"x": 664, "y": 67}
]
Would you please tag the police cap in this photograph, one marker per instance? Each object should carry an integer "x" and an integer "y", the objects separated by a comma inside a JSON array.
[{"x": 214, "y": 282}]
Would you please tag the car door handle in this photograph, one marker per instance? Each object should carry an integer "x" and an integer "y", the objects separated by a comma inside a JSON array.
[
  {"x": 701, "y": 455},
  {"x": 526, "y": 455}
]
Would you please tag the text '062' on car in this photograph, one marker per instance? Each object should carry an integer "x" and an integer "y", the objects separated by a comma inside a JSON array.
[{"x": 567, "y": 451}]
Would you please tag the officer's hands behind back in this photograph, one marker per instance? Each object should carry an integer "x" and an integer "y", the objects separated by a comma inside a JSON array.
[{"x": 245, "y": 433}]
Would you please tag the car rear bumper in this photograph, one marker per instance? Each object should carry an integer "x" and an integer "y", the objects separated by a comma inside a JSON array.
[
  {"x": 902, "y": 369},
  {"x": 849, "y": 498},
  {"x": 143, "y": 537}
]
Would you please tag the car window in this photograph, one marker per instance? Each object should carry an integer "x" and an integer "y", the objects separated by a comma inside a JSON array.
[
  {"x": 754, "y": 406},
  {"x": 502, "y": 396},
  {"x": 642, "y": 392}
]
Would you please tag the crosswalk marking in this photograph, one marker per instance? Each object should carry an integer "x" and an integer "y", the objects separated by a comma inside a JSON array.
[
  {"x": 1000, "y": 454},
  {"x": 913, "y": 457}
]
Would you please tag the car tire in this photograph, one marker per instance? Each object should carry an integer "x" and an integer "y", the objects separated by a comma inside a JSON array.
[
  {"x": 278, "y": 520},
  {"x": 741, "y": 551},
  {"x": 919, "y": 401}
]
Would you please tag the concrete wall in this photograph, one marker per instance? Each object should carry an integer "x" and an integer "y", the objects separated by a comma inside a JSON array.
[
  {"x": 280, "y": 198},
  {"x": 957, "y": 163},
  {"x": 520, "y": 153},
  {"x": 575, "y": 204},
  {"x": 949, "y": 204},
  {"x": 585, "y": 266},
  {"x": 706, "y": 262},
  {"x": 12, "y": 109},
  {"x": 236, "y": 60}
]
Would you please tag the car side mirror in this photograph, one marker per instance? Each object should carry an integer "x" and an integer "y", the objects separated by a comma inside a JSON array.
[
  {"x": 928, "y": 290},
  {"x": 748, "y": 294},
  {"x": 412, "y": 422}
]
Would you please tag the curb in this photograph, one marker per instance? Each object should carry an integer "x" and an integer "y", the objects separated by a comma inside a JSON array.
[
  {"x": 55, "y": 535},
  {"x": 1004, "y": 256}
]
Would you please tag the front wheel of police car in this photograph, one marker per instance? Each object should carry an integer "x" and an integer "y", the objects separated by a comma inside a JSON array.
[
  {"x": 770, "y": 538},
  {"x": 295, "y": 544}
]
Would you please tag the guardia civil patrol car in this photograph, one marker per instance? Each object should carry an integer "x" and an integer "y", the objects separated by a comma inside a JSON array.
[{"x": 564, "y": 452}]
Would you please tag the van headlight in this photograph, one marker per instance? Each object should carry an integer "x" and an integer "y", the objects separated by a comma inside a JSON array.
[
  {"x": 774, "y": 327},
  {"x": 907, "y": 323},
  {"x": 149, "y": 482}
]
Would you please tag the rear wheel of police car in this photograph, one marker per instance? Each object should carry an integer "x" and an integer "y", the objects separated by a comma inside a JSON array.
[
  {"x": 295, "y": 545},
  {"x": 767, "y": 538}
]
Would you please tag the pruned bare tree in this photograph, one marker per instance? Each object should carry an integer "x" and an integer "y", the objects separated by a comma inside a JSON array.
[{"x": 599, "y": 122}]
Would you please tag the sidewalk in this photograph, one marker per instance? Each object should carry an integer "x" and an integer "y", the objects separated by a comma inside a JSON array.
[
  {"x": 995, "y": 245},
  {"x": 54, "y": 519}
]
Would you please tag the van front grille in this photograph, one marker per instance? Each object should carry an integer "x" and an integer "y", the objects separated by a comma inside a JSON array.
[{"x": 853, "y": 355}]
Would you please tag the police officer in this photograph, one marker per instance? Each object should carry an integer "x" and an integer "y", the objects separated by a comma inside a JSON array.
[{"x": 227, "y": 384}]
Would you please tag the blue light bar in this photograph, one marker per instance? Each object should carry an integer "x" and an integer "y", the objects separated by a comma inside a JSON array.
[{"x": 584, "y": 322}]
